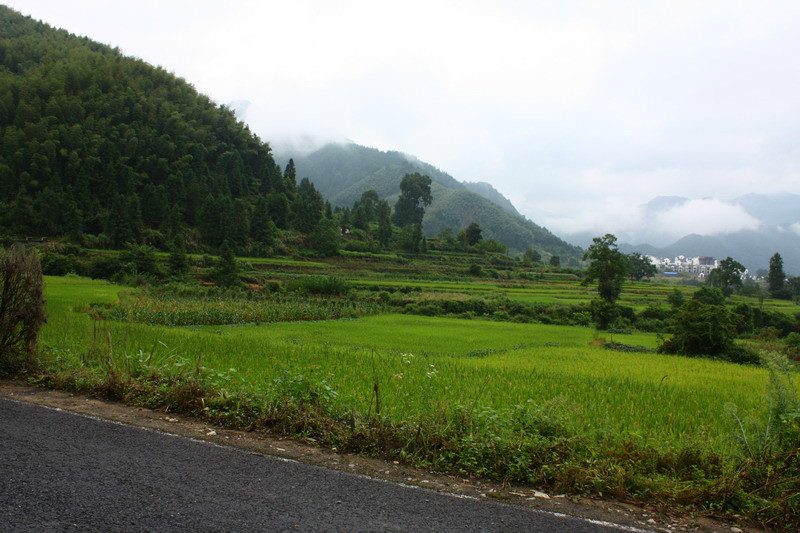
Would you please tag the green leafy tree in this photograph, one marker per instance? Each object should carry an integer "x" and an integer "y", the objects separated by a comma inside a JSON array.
[
  {"x": 140, "y": 259},
  {"x": 727, "y": 276},
  {"x": 793, "y": 287},
  {"x": 472, "y": 234},
  {"x": 278, "y": 208},
  {"x": 290, "y": 180},
  {"x": 640, "y": 267},
  {"x": 701, "y": 329},
  {"x": 308, "y": 207},
  {"x": 212, "y": 222},
  {"x": 360, "y": 217},
  {"x": 604, "y": 313},
  {"x": 555, "y": 261},
  {"x": 173, "y": 225},
  {"x": 676, "y": 298},
  {"x": 607, "y": 266},
  {"x": 365, "y": 210},
  {"x": 124, "y": 221},
  {"x": 531, "y": 256},
  {"x": 709, "y": 296},
  {"x": 227, "y": 272},
  {"x": 415, "y": 196},
  {"x": 177, "y": 262},
  {"x": 776, "y": 277},
  {"x": 384, "y": 213},
  {"x": 239, "y": 227},
  {"x": 325, "y": 239},
  {"x": 417, "y": 238},
  {"x": 262, "y": 228}
]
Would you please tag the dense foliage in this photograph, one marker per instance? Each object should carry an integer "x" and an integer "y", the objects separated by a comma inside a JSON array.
[
  {"x": 98, "y": 143},
  {"x": 727, "y": 276},
  {"x": 343, "y": 172},
  {"x": 21, "y": 305}
]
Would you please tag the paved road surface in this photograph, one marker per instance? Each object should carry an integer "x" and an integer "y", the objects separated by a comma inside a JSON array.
[{"x": 65, "y": 472}]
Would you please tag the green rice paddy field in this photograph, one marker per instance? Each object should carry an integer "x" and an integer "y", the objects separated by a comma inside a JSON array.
[{"x": 426, "y": 365}]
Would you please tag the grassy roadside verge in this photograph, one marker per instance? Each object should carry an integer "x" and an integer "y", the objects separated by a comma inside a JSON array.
[{"x": 437, "y": 415}]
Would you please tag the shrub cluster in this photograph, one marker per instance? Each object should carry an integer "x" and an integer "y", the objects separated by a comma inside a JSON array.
[{"x": 21, "y": 306}]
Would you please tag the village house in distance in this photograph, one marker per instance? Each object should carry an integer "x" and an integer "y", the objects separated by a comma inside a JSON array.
[{"x": 698, "y": 266}]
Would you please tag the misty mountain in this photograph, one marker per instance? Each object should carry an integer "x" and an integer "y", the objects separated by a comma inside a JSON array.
[
  {"x": 342, "y": 172},
  {"x": 481, "y": 188},
  {"x": 662, "y": 203},
  {"x": 772, "y": 209},
  {"x": 779, "y": 231}
]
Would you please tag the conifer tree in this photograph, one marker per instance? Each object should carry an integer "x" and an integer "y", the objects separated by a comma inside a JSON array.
[
  {"x": 384, "y": 223},
  {"x": 177, "y": 262},
  {"x": 776, "y": 276},
  {"x": 227, "y": 272}
]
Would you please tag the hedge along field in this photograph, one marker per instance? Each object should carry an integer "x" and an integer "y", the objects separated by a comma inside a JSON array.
[
  {"x": 554, "y": 290},
  {"x": 167, "y": 310},
  {"x": 426, "y": 365}
]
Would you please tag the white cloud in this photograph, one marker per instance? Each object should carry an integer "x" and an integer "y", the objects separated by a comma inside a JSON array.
[
  {"x": 704, "y": 217},
  {"x": 634, "y": 224}
]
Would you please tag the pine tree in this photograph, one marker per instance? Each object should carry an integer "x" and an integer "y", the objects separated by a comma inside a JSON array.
[
  {"x": 776, "y": 277},
  {"x": 227, "y": 272},
  {"x": 262, "y": 229},
  {"x": 307, "y": 208},
  {"x": 325, "y": 238},
  {"x": 177, "y": 262},
  {"x": 384, "y": 223}
]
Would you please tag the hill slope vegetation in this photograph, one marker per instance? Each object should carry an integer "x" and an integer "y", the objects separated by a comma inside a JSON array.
[
  {"x": 343, "y": 172},
  {"x": 96, "y": 142}
]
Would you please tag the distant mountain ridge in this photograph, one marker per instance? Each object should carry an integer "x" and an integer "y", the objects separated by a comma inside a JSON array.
[
  {"x": 343, "y": 171},
  {"x": 772, "y": 209},
  {"x": 779, "y": 215}
]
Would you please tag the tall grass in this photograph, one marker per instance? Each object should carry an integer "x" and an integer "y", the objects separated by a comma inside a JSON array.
[{"x": 529, "y": 402}]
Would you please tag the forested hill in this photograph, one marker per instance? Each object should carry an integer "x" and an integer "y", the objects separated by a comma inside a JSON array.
[
  {"x": 94, "y": 141},
  {"x": 109, "y": 150},
  {"x": 343, "y": 172}
]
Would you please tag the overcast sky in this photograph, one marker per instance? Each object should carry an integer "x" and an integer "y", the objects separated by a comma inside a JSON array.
[{"x": 577, "y": 111}]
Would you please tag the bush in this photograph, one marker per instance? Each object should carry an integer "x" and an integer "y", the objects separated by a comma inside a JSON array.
[
  {"x": 55, "y": 264},
  {"x": 321, "y": 285},
  {"x": 653, "y": 325},
  {"x": 604, "y": 313},
  {"x": 654, "y": 311},
  {"x": 103, "y": 267},
  {"x": 21, "y": 306},
  {"x": 140, "y": 259},
  {"x": 706, "y": 330},
  {"x": 710, "y": 296},
  {"x": 793, "y": 346}
]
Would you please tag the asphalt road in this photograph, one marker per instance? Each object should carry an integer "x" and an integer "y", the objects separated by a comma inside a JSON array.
[{"x": 61, "y": 471}]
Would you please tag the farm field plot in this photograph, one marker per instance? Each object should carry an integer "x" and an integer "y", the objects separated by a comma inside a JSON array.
[
  {"x": 660, "y": 398},
  {"x": 544, "y": 404},
  {"x": 424, "y": 364}
]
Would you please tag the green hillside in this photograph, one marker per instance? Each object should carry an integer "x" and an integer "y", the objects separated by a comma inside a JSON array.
[
  {"x": 342, "y": 172},
  {"x": 338, "y": 170},
  {"x": 94, "y": 143}
]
